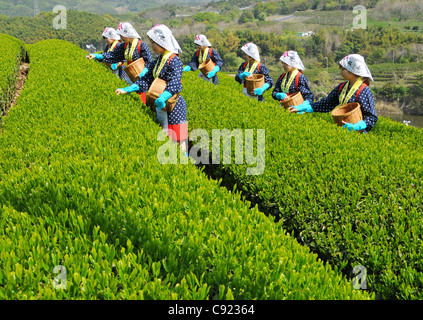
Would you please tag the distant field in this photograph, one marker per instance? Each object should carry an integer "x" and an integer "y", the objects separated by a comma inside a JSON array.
[{"x": 345, "y": 19}]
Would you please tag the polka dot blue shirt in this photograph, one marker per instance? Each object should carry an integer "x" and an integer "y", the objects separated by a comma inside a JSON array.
[
  {"x": 194, "y": 63},
  {"x": 118, "y": 54},
  {"x": 263, "y": 70},
  {"x": 365, "y": 100},
  {"x": 172, "y": 74},
  {"x": 303, "y": 87}
]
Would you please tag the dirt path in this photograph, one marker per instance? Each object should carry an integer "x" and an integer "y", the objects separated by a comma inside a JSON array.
[{"x": 19, "y": 85}]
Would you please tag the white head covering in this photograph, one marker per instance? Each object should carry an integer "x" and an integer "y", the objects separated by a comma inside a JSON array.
[
  {"x": 111, "y": 34},
  {"x": 162, "y": 35},
  {"x": 251, "y": 50},
  {"x": 291, "y": 58},
  {"x": 202, "y": 40},
  {"x": 177, "y": 47},
  {"x": 355, "y": 63},
  {"x": 125, "y": 29}
]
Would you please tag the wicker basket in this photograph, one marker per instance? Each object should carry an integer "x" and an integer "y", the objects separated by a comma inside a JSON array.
[
  {"x": 206, "y": 66},
  {"x": 156, "y": 89},
  {"x": 109, "y": 65},
  {"x": 134, "y": 69},
  {"x": 253, "y": 82},
  {"x": 292, "y": 100},
  {"x": 350, "y": 112}
]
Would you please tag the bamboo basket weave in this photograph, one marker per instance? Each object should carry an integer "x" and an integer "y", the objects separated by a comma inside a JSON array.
[
  {"x": 293, "y": 99},
  {"x": 253, "y": 82},
  {"x": 156, "y": 89},
  {"x": 134, "y": 69},
  {"x": 109, "y": 65},
  {"x": 350, "y": 112},
  {"x": 206, "y": 66}
]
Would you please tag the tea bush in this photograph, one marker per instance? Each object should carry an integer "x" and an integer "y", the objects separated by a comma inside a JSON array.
[
  {"x": 353, "y": 199},
  {"x": 81, "y": 186},
  {"x": 11, "y": 53}
]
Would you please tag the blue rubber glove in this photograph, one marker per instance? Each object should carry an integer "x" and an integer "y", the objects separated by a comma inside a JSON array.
[
  {"x": 187, "y": 68},
  {"x": 113, "y": 66},
  {"x": 259, "y": 91},
  {"x": 244, "y": 75},
  {"x": 143, "y": 72},
  {"x": 132, "y": 88},
  {"x": 161, "y": 100},
  {"x": 212, "y": 73},
  {"x": 304, "y": 107},
  {"x": 98, "y": 56},
  {"x": 361, "y": 125},
  {"x": 280, "y": 95}
]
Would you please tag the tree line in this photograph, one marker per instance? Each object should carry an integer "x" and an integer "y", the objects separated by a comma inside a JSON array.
[{"x": 324, "y": 49}]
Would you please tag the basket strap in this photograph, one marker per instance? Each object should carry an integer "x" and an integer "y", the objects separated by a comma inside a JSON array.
[
  {"x": 363, "y": 85},
  {"x": 341, "y": 86},
  {"x": 139, "y": 49},
  {"x": 297, "y": 80},
  {"x": 139, "y": 46},
  {"x": 171, "y": 57}
]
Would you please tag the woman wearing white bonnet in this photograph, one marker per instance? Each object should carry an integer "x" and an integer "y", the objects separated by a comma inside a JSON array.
[
  {"x": 355, "y": 89},
  {"x": 293, "y": 80},
  {"x": 253, "y": 65},
  {"x": 204, "y": 52},
  {"x": 131, "y": 49},
  {"x": 111, "y": 33},
  {"x": 112, "y": 40},
  {"x": 167, "y": 66}
]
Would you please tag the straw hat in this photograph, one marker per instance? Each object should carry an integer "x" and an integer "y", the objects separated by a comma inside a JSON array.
[
  {"x": 355, "y": 63},
  {"x": 111, "y": 34},
  {"x": 125, "y": 29},
  {"x": 251, "y": 50},
  {"x": 291, "y": 58}
]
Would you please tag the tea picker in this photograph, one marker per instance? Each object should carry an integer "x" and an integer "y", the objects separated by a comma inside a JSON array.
[
  {"x": 134, "y": 51},
  {"x": 292, "y": 81},
  {"x": 205, "y": 54},
  {"x": 112, "y": 39},
  {"x": 253, "y": 74},
  {"x": 165, "y": 71},
  {"x": 355, "y": 91}
]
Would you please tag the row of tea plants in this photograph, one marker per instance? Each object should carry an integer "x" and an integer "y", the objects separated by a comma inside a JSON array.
[
  {"x": 353, "y": 199},
  {"x": 82, "y": 191},
  {"x": 12, "y": 51}
]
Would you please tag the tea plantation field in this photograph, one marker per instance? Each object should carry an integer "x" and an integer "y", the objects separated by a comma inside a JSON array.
[
  {"x": 81, "y": 187},
  {"x": 354, "y": 199}
]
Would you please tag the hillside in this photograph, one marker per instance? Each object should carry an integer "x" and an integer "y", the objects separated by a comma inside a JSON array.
[
  {"x": 30, "y": 8},
  {"x": 392, "y": 40},
  {"x": 82, "y": 189}
]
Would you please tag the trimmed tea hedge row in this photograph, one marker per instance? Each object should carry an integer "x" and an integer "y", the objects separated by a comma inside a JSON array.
[
  {"x": 81, "y": 187},
  {"x": 32, "y": 247},
  {"x": 354, "y": 199},
  {"x": 12, "y": 51}
]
